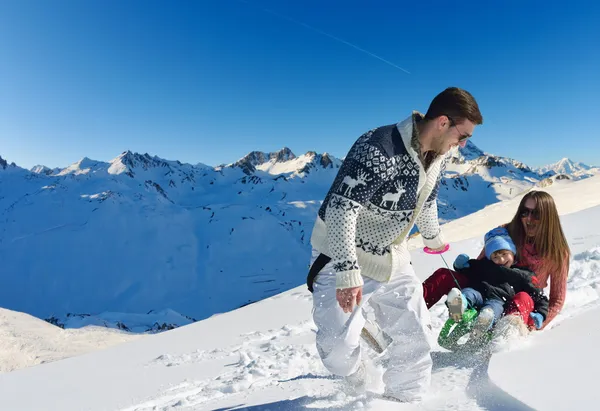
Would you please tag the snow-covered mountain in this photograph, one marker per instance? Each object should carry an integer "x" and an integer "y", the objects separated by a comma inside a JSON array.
[
  {"x": 284, "y": 162},
  {"x": 475, "y": 179},
  {"x": 39, "y": 169},
  {"x": 4, "y": 164},
  {"x": 568, "y": 167},
  {"x": 141, "y": 233}
]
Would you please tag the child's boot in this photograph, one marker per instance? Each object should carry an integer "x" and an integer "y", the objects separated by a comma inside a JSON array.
[
  {"x": 456, "y": 303},
  {"x": 483, "y": 323}
]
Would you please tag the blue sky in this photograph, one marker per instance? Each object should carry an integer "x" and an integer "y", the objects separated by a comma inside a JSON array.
[{"x": 209, "y": 81}]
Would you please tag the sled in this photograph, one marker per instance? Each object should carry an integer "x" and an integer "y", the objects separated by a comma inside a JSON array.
[{"x": 455, "y": 336}]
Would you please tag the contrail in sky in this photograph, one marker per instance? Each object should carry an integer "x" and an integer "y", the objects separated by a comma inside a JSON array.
[{"x": 329, "y": 35}]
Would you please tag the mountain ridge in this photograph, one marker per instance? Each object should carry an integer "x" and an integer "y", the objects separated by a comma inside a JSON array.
[{"x": 141, "y": 233}]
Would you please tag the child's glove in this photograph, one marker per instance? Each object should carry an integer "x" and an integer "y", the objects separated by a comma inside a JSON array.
[
  {"x": 462, "y": 261},
  {"x": 538, "y": 320}
]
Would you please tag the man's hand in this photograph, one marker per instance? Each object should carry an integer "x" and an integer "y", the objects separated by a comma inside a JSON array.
[
  {"x": 347, "y": 297},
  {"x": 439, "y": 249}
]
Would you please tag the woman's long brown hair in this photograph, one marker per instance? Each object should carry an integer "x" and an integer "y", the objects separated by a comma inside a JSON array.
[{"x": 550, "y": 242}]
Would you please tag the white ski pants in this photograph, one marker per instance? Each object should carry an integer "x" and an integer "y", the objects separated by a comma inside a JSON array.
[{"x": 400, "y": 311}]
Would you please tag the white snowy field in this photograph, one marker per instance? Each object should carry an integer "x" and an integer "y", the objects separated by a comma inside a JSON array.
[
  {"x": 26, "y": 340},
  {"x": 558, "y": 370},
  {"x": 262, "y": 356}
]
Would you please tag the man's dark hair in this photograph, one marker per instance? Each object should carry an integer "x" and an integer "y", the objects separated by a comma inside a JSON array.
[{"x": 457, "y": 104}]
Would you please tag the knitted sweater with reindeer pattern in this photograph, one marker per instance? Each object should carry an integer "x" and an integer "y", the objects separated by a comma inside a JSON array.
[{"x": 380, "y": 191}]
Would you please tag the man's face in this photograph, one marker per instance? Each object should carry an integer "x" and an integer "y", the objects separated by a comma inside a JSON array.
[{"x": 452, "y": 134}]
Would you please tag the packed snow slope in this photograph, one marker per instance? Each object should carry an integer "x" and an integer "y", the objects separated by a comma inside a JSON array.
[
  {"x": 141, "y": 233},
  {"x": 262, "y": 357},
  {"x": 26, "y": 341},
  {"x": 567, "y": 355}
]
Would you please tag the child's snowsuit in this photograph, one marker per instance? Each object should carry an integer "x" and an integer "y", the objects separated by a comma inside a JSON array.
[{"x": 499, "y": 283}]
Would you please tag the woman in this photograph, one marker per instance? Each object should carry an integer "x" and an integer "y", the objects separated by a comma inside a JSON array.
[{"x": 541, "y": 247}]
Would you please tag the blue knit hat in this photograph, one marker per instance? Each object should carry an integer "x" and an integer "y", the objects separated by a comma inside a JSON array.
[{"x": 498, "y": 239}]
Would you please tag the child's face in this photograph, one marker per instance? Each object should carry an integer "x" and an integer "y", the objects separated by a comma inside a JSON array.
[{"x": 503, "y": 257}]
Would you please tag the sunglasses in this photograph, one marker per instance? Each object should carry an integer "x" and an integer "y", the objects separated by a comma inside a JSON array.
[
  {"x": 462, "y": 137},
  {"x": 526, "y": 212}
]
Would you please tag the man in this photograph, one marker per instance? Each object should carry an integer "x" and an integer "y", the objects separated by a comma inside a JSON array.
[{"x": 388, "y": 181}]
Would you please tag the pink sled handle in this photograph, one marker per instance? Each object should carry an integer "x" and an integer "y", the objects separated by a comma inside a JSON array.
[{"x": 430, "y": 251}]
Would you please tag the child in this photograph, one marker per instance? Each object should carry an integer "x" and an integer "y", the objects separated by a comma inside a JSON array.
[{"x": 494, "y": 281}]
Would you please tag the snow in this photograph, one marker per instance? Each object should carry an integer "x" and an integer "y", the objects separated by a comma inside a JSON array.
[
  {"x": 568, "y": 166},
  {"x": 277, "y": 167},
  {"x": 566, "y": 354},
  {"x": 26, "y": 341},
  {"x": 262, "y": 356},
  {"x": 83, "y": 166},
  {"x": 117, "y": 167},
  {"x": 39, "y": 169}
]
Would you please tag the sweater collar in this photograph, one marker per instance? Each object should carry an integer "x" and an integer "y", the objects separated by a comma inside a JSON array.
[{"x": 406, "y": 127}]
